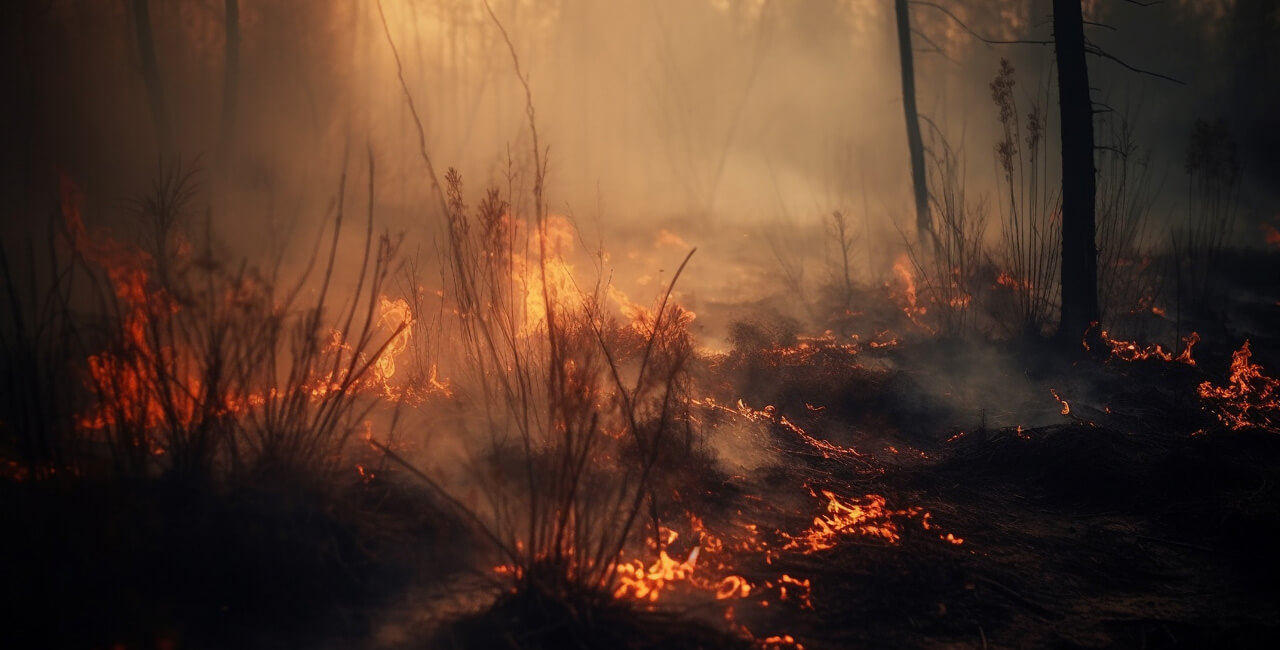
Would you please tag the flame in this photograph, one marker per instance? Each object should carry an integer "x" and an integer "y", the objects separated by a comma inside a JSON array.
[
  {"x": 546, "y": 276},
  {"x": 1132, "y": 351},
  {"x": 668, "y": 238},
  {"x": 779, "y": 642},
  {"x": 1250, "y": 398},
  {"x": 643, "y": 319},
  {"x": 127, "y": 381},
  {"x": 770, "y": 414},
  {"x": 733, "y": 587},
  {"x": 1066, "y": 408},
  {"x": 148, "y": 385},
  {"x": 640, "y": 583},
  {"x": 869, "y": 517},
  {"x": 1271, "y": 235},
  {"x": 800, "y": 591},
  {"x": 395, "y": 315},
  {"x": 1009, "y": 281},
  {"x": 910, "y": 298}
]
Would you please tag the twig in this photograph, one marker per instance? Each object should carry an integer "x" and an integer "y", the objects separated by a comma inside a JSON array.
[
  {"x": 989, "y": 41},
  {"x": 413, "y": 111},
  {"x": 1098, "y": 52}
]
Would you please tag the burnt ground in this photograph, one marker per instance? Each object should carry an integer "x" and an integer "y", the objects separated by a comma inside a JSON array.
[
  {"x": 1137, "y": 520},
  {"x": 1074, "y": 537}
]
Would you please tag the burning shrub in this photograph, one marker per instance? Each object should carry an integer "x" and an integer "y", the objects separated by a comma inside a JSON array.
[
  {"x": 948, "y": 264},
  {"x": 583, "y": 412},
  {"x": 205, "y": 369},
  {"x": 1031, "y": 249}
]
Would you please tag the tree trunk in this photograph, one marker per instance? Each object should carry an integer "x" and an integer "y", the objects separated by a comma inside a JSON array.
[
  {"x": 914, "y": 142},
  {"x": 151, "y": 76},
  {"x": 230, "y": 80},
  {"x": 1079, "y": 249}
]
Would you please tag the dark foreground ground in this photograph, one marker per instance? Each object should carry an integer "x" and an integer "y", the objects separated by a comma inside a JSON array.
[{"x": 1076, "y": 535}]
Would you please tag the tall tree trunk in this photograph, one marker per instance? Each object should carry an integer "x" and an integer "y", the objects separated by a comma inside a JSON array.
[
  {"x": 230, "y": 80},
  {"x": 1079, "y": 249},
  {"x": 151, "y": 75},
  {"x": 914, "y": 142}
]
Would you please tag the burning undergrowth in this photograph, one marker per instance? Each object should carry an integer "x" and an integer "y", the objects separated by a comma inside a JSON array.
[{"x": 547, "y": 462}]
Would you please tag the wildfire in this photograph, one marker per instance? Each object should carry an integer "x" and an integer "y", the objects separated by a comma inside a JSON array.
[
  {"x": 911, "y": 306},
  {"x": 1007, "y": 280},
  {"x": 395, "y": 315},
  {"x": 1066, "y": 408},
  {"x": 125, "y": 379},
  {"x": 547, "y": 278},
  {"x": 1250, "y": 398},
  {"x": 869, "y": 517},
  {"x": 825, "y": 347},
  {"x": 770, "y": 414},
  {"x": 1271, "y": 235},
  {"x": 646, "y": 584},
  {"x": 1132, "y": 351},
  {"x": 156, "y": 384}
]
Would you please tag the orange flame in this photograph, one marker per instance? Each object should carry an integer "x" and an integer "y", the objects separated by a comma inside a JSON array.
[
  {"x": 868, "y": 517},
  {"x": 1250, "y": 398},
  {"x": 770, "y": 414},
  {"x": 1132, "y": 351},
  {"x": 910, "y": 306},
  {"x": 1066, "y": 408}
]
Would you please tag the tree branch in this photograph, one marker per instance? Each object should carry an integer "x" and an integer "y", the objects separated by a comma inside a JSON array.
[
  {"x": 936, "y": 48},
  {"x": 413, "y": 112},
  {"x": 1098, "y": 52},
  {"x": 988, "y": 41}
]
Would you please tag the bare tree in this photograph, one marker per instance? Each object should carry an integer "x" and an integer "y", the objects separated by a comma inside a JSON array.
[
  {"x": 1079, "y": 247},
  {"x": 141, "y": 10},
  {"x": 914, "y": 142},
  {"x": 1079, "y": 277}
]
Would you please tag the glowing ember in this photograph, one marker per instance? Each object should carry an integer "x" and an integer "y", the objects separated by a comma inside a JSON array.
[
  {"x": 1007, "y": 280},
  {"x": 1132, "y": 351},
  {"x": 868, "y": 517},
  {"x": 1250, "y": 398},
  {"x": 783, "y": 641},
  {"x": 797, "y": 590},
  {"x": 1066, "y": 408},
  {"x": 770, "y": 414},
  {"x": 1271, "y": 235},
  {"x": 910, "y": 298}
]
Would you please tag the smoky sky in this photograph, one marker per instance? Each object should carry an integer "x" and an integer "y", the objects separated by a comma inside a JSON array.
[{"x": 659, "y": 112}]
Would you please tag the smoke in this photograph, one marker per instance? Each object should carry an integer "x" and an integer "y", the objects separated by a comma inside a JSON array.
[{"x": 736, "y": 128}]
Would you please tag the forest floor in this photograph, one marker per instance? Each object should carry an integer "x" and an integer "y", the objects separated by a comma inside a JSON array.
[{"x": 1135, "y": 520}]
